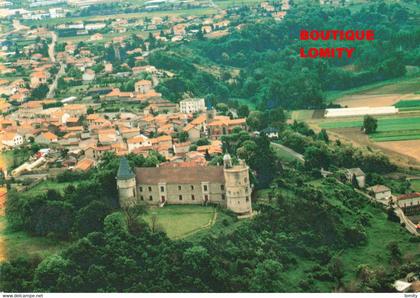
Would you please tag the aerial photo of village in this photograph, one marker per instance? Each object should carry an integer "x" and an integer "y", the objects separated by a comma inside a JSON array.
[{"x": 189, "y": 146}]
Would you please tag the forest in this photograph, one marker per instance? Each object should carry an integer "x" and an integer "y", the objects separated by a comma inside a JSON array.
[{"x": 261, "y": 63}]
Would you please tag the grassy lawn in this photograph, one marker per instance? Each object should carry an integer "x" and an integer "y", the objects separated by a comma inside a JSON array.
[
  {"x": 181, "y": 221},
  {"x": 283, "y": 154},
  {"x": 46, "y": 185},
  {"x": 15, "y": 244},
  {"x": 415, "y": 185}
]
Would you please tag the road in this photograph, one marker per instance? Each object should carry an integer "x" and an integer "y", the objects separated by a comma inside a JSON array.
[
  {"x": 287, "y": 149},
  {"x": 409, "y": 225},
  {"x": 53, "y": 85},
  {"x": 51, "y": 47},
  {"x": 17, "y": 26}
]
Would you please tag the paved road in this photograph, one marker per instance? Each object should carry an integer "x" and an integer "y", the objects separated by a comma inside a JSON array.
[{"x": 287, "y": 149}]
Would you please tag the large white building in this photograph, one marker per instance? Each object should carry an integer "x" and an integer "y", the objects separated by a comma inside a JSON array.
[{"x": 192, "y": 105}]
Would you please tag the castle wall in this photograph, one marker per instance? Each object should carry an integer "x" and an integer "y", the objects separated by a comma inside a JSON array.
[
  {"x": 182, "y": 193},
  {"x": 127, "y": 192},
  {"x": 238, "y": 190}
]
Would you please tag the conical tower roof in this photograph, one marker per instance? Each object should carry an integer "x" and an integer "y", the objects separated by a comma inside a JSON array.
[{"x": 124, "y": 170}]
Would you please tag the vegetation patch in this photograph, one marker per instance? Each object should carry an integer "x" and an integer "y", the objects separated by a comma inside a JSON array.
[
  {"x": 15, "y": 244},
  {"x": 408, "y": 105},
  {"x": 180, "y": 221}
]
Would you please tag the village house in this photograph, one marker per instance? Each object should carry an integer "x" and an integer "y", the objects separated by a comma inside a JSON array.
[
  {"x": 139, "y": 141},
  {"x": 88, "y": 75},
  {"x": 223, "y": 125},
  {"x": 46, "y": 138},
  {"x": 143, "y": 86},
  {"x": 409, "y": 203},
  {"x": 358, "y": 174},
  {"x": 380, "y": 192},
  {"x": 192, "y": 105},
  {"x": 11, "y": 139},
  {"x": 38, "y": 78}
]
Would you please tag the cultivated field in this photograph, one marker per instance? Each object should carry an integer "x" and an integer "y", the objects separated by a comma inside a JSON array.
[
  {"x": 393, "y": 128},
  {"x": 397, "y": 135}
]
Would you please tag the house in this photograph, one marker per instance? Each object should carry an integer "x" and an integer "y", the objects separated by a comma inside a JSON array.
[
  {"x": 409, "y": 203},
  {"x": 38, "y": 78},
  {"x": 108, "y": 68},
  {"x": 143, "y": 86},
  {"x": 358, "y": 174},
  {"x": 84, "y": 165},
  {"x": 138, "y": 142},
  {"x": 11, "y": 139},
  {"x": 380, "y": 192},
  {"x": 88, "y": 75},
  {"x": 223, "y": 125},
  {"x": 271, "y": 132},
  {"x": 192, "y": 105},
  {"x": 46, "y": 138}
]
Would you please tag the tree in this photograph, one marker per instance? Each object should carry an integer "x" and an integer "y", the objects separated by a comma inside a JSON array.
[
  {"x": 394, "y": 251},
  {"x": 40, "y": 92},
  {"x": 91, "y": 218},
  {"x": 243, "y": 111},
  {"x": 370, "y": 124},
  {"x": 267, "y": 277},
  {"x": 323, "y": 136}
]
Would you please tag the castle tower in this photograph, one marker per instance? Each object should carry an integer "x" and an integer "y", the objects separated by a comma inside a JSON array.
[
  {"x": 126, "y": 184},
  {"x": 237, "y": 184}
]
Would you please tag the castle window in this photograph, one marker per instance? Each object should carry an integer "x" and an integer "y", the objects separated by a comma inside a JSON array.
[
  {"x": 205, "y": 187},
  {"x": 150, "y": 188},
  {"x": 247, "y": 199},
  {"x": 179, "y": 187},
  {"x": 162, "y": 188},
  {"x": 192, "y": 187},
  {"x": 141, "y": 188},
  {"x": 192, "y": 197},
  {"x": 223, "y": 197},
  {"x": 206, "y": 198},
  {"x": 180, "y": 197},
  {"x": 150, "y": 198},
  {"x": 246, "y": 189},
  {"x": 222, "y": 187},
  {"x": 142, "y": 198},
  {"x": 245, "y": 180}
]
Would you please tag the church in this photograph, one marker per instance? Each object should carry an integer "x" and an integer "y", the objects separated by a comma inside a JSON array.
[{"x": 227, "y": 185}]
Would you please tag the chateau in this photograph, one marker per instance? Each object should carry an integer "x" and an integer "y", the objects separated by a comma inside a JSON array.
[{"x": 226, "y": 185}]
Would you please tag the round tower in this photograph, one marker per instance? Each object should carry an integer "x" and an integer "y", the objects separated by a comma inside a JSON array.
[
  {"x": 238, "y": 188},
  {"x": 126, "y": 184}
]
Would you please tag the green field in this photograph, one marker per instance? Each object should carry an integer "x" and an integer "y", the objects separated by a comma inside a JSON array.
[
  {"x": 408, "y": 105},
  {"x": 179, "y": 221},
  {"x": 46, "y": 185},
  {"x": 283, "y": 154},
  {"x": 17, "y": 244},
  {"x": 415, "y": 185},
  {"x": 389, "y": 129}
]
